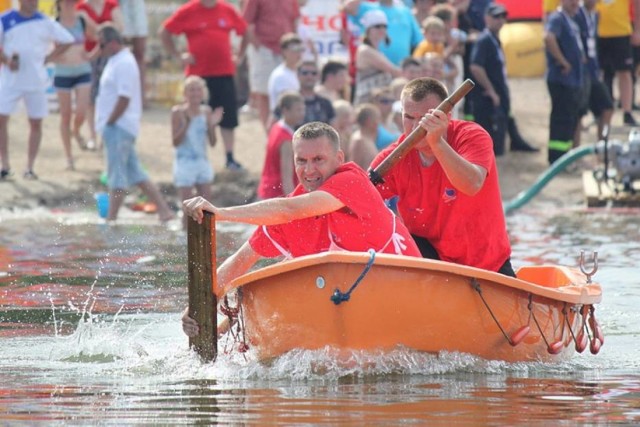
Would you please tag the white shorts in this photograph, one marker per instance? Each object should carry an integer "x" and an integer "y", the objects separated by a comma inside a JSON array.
[
  {"x": 262, "y": 62},
  {"x": 134, "y": 15},
  {"x": 34, "y": 100},
  {"x": 190, "y": 172}
]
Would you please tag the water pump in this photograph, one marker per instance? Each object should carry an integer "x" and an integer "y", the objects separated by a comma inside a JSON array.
[{"x": 621, "y": 161}]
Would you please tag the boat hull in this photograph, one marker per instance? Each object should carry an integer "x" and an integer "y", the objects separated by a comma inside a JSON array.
[{"x": 424, "y": 305}]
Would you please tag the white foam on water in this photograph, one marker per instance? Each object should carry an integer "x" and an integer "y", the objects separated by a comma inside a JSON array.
[{"x": 154, "y": 346}]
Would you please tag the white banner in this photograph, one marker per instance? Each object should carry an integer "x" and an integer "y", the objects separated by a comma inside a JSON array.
[{"x": 323, "y": 22}]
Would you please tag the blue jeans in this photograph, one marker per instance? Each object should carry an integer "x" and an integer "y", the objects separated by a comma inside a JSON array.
[{"x": 123, "y": 167}]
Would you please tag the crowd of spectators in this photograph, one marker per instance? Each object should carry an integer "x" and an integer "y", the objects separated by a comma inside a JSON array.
[{"x": 390, "y": 43}]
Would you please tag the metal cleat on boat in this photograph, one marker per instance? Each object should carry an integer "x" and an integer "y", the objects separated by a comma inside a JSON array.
[{"x": 593, "y": 270}]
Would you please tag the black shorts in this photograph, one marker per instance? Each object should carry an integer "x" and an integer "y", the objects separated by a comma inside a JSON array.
[
  {"x": 599, "y": 99},
  {"x": 67, "y": 83},
  {"x": 222, "y": 93},
  {"x": 615, "y": 53}
]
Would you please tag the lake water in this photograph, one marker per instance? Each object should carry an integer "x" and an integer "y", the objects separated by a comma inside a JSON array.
[{"x": 90, "y": 335}]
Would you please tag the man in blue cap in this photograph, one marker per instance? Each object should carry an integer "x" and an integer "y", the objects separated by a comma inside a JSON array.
[{"x": 492, "y": 104}]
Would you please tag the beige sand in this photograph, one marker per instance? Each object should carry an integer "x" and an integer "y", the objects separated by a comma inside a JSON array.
[{"x": 59, "y": 188}]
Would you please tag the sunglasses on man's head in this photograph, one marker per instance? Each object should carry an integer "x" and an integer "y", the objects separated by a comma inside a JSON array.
[
  {"x": 379, "y": 26},
  {"x": 308, "y": 72}
]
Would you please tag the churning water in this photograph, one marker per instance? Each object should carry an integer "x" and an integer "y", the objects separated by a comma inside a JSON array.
[{"x": 90, "y": 335}]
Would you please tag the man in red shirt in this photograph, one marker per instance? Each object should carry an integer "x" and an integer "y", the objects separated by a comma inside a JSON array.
[
  {"x": 207, "y": 25},
  {"x": 449, "y": 195},
  {"x": 335, "y": 207}
]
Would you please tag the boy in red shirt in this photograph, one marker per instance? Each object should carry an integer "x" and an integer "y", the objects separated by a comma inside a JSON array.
[
  {"x": 449, "y": 195},
  {"x": 278, "y": 178}
]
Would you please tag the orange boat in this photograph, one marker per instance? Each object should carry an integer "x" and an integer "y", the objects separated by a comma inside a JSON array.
[{"x": 367, "y": 301}]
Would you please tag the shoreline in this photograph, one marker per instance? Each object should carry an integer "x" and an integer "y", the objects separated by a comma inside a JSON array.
[{"x": 57, "y": 187}]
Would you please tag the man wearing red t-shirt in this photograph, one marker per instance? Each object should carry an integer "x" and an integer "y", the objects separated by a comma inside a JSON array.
[
  {"x": 207, "y": 25},
  {"x": 334, "y": 207},
  {"x": 449, "y": 195}
]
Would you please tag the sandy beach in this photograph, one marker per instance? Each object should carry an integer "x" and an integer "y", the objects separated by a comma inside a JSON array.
[{"x": 59, "y": 188}]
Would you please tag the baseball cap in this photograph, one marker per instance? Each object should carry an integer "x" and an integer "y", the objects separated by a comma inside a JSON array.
[
  {"x": 372, "y": 18},
  {"x": 496, "y": 10}
]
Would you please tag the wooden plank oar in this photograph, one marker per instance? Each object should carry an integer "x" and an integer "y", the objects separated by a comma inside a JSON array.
[
  {"x": 201, "y": 252},
  {"x": 376, "y": 175}
]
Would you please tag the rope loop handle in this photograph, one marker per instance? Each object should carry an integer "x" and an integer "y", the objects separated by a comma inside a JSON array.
[{"x": 338, "y": 296}]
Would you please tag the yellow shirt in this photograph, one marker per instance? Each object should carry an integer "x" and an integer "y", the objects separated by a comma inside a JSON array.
[
  {"x": 614, "y": 18},
  {"x": 425, "y": 47},
  {"x": 549, "y": 6}
]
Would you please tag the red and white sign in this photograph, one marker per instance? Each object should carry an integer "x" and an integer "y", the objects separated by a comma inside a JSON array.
[{"x": 323, "y": 22}]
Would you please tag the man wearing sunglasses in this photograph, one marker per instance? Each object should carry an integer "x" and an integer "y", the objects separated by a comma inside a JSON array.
[{"x": 317, "y": 108}]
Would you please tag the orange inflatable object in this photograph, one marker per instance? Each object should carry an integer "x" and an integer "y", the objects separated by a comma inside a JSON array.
[{"x": 420, "y": 304}]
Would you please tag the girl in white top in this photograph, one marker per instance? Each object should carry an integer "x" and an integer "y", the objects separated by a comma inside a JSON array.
[{"x": 193, "y": 125}]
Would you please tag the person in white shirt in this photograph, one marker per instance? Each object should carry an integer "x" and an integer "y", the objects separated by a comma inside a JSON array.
[
  {"x": 285, "y": 76},
  {"x": 118, "y": 113},
  {"x": 26, "y": 36}
]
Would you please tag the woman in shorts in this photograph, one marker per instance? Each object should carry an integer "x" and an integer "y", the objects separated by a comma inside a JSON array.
[{"x": 72, "y": 76}]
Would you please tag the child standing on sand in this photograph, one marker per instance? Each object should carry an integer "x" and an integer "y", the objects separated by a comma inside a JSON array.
[{"x": 193, "y": 125}]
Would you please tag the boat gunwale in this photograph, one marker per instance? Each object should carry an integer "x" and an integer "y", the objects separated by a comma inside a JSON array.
[{"x": 579, "y": 292}]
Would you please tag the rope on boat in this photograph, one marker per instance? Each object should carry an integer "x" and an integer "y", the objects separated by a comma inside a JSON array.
[
  {"x": 566, "y": 319},
  {"x": 530, "y": 307},
  {"x": 339, "y": 297},
  {"x": 476, "y": 286},
  {"x": 236, "y": 321}
]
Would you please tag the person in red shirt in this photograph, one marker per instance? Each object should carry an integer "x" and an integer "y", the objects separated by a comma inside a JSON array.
[
  {"x": 449, "y": 195},
  {"x": 278, "y": 178},
  {"x": 207, "y": 25},
  {"x": 335, "y": 207}
]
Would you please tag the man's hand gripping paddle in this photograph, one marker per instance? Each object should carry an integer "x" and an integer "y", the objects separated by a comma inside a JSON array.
[{"x": 376, "y": 175}]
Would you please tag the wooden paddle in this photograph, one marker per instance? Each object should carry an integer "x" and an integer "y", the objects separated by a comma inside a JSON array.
[
  {"x": 201, "y": 252},
  {"x": 376, "y": 175}
]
